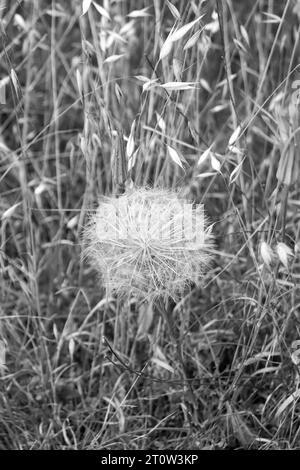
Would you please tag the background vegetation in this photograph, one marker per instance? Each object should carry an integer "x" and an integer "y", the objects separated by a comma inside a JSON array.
[{"x": 83, "y": 371}]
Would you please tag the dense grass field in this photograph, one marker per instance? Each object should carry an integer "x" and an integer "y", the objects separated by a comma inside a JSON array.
[{"x": 203, "y": 97}]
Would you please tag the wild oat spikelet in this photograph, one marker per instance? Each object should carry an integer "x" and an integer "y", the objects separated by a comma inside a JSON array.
[{"x": 148, "y": 243}]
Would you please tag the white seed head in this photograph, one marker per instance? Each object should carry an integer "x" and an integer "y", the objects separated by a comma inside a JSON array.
[
  {"x": 10, "y": 211},
  {"x": 266, "y": 253},
  {"x": 148, "y": 242},
  {"x": 284, "y": 253}
]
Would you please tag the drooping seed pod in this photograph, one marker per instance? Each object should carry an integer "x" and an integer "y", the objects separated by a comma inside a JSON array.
[
  {"x": 284, "y": 254},
  {"x": 148, "y": 243},
  {"x": 266, "y": 253}
]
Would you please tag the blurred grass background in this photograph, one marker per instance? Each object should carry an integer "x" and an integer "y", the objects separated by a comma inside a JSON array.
[{"x": 78, "y": 370}]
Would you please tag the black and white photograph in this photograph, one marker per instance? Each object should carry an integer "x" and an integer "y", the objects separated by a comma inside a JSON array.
[{"x": 150, "y": 228}]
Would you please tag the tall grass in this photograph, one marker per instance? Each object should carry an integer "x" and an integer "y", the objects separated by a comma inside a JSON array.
[{"x": 206, "y": 96}]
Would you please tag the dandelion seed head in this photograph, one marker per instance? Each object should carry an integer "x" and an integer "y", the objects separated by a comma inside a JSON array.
[{"x": 148, "y": 243}]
